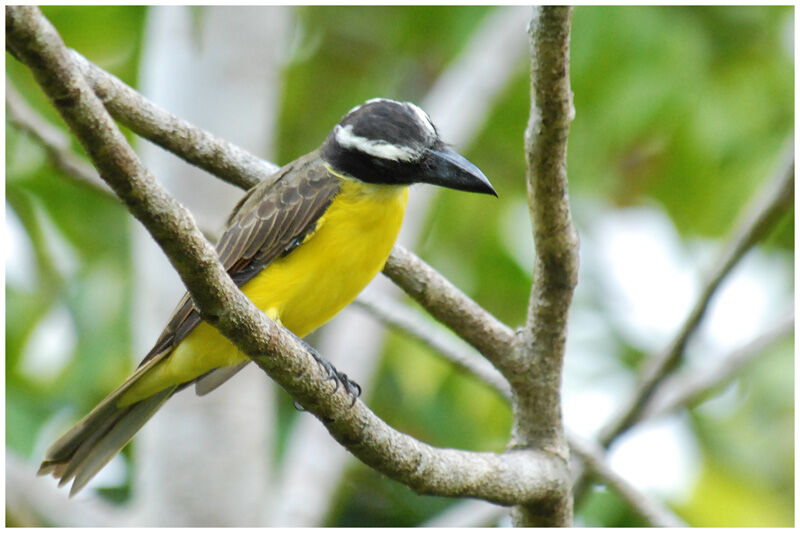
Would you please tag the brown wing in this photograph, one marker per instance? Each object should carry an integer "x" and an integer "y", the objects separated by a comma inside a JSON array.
[{"x": 270, "y": 221}]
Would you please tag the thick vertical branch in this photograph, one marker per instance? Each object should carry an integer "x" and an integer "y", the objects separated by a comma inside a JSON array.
[
  {"x": 555, "y": 268},
  {"x": 539, "y": 354}
]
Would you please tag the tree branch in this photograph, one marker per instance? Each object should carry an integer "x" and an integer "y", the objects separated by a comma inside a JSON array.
[
  {"x": 555, "y": 272},
  {"x": 593, "y": 456},
  {"x": 538, "y": 356},
  {"x": 195, "y": 145},
  {"x": 408, "y": 321},
  {"x": 688, "y": 389},
  {"x": 54, "y": 142},
  {"x": 757, "y": 221},
  {"x": 450, "y": 306},
  {"x": 512, "y": 477},
  {"x": 405, "y": 320}
]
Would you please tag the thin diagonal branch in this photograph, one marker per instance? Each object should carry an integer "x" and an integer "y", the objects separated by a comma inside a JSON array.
[
  {"x": 406, "y": 320},
  {"x": 593, "y": 456},
  {"x": 509, "y": 478},
  {"x": 692, "y": 387},
  {"x": 450, "y": 306},
  {"x": 758, "y": 220},
  {"x": 195, "y": 145},
  {"x": 54, "y": 141}
]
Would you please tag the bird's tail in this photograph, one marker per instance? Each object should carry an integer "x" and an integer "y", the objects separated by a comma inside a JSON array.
[{"x": 91, "y": 443}]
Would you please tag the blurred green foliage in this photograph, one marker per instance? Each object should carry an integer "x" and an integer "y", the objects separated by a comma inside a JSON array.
[
  {"x": 93, "y": 230},
  {"x": 683, "y": 107}
]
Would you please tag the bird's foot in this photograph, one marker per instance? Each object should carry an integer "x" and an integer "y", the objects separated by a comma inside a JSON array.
[{"x": 351, "y": 387}]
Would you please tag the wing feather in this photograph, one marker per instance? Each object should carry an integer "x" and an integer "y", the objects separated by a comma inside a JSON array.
[{"x": 269, "y": 220}]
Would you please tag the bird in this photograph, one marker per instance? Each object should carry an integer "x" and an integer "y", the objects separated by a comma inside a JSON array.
[{"x": 301, "y": 245}]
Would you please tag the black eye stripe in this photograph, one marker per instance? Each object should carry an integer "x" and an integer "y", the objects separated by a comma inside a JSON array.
[
  {"x": 381, "y": 141},
  {"x": 372, "y": 169}
]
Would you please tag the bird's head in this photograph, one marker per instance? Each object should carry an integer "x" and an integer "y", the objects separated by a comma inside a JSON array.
[{"x": 395, "y": 143}]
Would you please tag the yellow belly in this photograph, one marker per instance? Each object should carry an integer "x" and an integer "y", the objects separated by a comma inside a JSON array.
[{"x": 306, "y": 288}]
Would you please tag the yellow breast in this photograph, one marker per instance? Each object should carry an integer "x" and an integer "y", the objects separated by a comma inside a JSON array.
[
  {"x": 313, "y": 283},
  {"x": 306, "y": 288}
]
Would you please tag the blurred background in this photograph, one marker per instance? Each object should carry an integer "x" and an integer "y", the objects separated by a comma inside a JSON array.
[{"x": 683, "y": 114}]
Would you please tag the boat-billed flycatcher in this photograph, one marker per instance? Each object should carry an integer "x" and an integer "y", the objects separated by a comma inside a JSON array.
[{"x": 301, "y": 246}]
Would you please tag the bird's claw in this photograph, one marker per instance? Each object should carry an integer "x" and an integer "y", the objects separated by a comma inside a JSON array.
[{"x": 351, "y": 387}]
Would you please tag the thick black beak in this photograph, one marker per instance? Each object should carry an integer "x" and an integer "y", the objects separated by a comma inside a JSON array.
[{"x": 446, "y": 168}]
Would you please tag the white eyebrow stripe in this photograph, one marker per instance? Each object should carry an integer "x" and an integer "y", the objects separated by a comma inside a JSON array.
[
  {"x": 423, "y": 118},
  {"x": 381, "y": 149}
]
